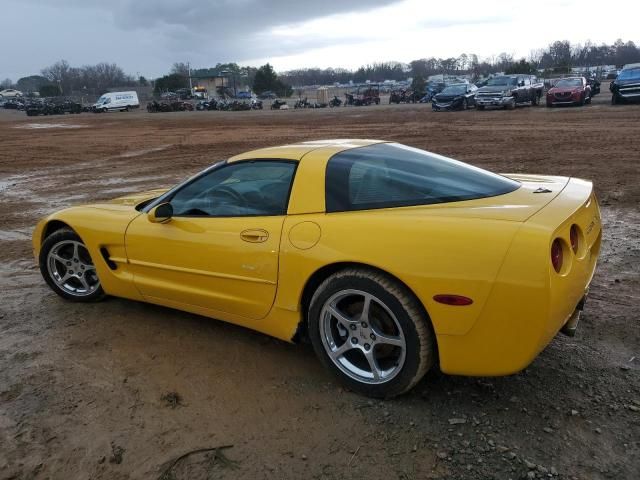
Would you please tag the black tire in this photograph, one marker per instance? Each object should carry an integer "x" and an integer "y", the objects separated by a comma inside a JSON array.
[
  {"x": 65, "y": 235},
  {"x": 614, "y": 100},
  {"x": 411, "y": 321},
  {"x": 465, "y": 104},
  {"x": 534, "y": 100},
  {"x": 480, "y": 107}
]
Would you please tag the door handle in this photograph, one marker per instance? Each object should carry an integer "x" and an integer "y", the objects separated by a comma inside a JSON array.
[{"x": 254, "y": 236}]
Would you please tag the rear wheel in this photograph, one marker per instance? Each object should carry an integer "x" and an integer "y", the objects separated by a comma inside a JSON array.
[
  {"x": 370, "y": 332},
  {"x": 68, "y": 269},
  {"x": 465, "y": 104}
]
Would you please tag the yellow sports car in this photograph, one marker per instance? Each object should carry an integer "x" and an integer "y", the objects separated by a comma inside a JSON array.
[{"x": 389, "y": 259}]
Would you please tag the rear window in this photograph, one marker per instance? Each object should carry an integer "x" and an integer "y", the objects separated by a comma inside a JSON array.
[{"x": 393, "y": 175}]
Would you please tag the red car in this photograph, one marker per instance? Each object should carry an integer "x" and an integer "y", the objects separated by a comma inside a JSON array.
[{"x": 569, "y": 91}]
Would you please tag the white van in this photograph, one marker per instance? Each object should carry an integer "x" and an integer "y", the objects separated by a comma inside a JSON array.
[{"x": 122, "y": 101}]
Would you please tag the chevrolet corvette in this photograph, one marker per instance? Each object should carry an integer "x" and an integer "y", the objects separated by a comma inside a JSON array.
[{"x": 388, "y": 259}]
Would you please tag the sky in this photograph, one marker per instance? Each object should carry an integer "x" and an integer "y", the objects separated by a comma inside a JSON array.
[{"x": 145, "y": 37}]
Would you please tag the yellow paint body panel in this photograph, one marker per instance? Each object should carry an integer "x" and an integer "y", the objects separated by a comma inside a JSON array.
[{"x": 494, "y": 250}]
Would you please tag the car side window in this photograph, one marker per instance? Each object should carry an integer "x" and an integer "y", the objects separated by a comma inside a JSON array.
[{"x": 248, "y": 188}]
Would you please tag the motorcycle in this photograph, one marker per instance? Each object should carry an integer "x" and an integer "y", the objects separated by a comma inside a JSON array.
[
  {"x": 302, "y": 103},
  {"x": 278, "y": 104},
  {"x": 335, "y": 102}
]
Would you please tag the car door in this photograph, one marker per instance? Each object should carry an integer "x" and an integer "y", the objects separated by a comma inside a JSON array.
[{"x": 219, "y": 250}]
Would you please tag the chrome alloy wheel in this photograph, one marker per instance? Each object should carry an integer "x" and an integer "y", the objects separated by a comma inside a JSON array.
[
  {"x": 362, "y": 337},
  {"x": 69, "y": 265}
]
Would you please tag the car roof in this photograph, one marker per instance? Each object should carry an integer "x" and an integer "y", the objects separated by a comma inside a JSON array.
[{"x": 296, "y": 151}]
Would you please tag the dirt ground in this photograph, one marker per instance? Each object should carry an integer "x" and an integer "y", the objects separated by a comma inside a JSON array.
[{"x": 119, "y": 389}]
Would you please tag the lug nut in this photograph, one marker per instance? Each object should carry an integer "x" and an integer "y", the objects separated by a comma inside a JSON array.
[
  {"x": 353, "y": 326},
  {"x": 364, "y": 324},
  {"x": 367, "y": 346},
  {"x": 354, "y": 340},
  {"x": 68, "y": 264},
  {"x": 373, "y": 337}
]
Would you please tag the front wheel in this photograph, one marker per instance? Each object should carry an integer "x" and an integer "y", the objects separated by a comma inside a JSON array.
[
  {"x": 68, "y": 269},
  {"x": 371, "y": 332}
]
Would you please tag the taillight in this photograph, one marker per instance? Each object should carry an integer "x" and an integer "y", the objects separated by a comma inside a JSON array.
[
  {"x": 556, "y": 254},
  {"x": 575, "y": 238}
]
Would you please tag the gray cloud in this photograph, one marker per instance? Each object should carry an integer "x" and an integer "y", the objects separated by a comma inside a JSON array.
[{"x": 146, "y": 36}]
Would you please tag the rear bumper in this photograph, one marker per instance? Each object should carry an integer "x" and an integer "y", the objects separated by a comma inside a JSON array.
[{"x": 529, "y": 302}]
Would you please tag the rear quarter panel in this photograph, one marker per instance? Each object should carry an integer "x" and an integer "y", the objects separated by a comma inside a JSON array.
[{"x": 431, "y": 254}]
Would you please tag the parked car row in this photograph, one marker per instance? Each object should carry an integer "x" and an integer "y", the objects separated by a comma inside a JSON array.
[
  {"x": 52, "y": 106},
  {"x": 509, "y": 91}
]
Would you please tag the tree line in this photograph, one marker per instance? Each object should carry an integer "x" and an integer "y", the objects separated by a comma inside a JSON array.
[
  {"x": 558, "y": 57},
  {"x": 63, "y": 79}
]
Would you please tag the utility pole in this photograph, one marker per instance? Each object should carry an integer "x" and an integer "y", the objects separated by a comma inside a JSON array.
[{"x": 189, "y": 70}]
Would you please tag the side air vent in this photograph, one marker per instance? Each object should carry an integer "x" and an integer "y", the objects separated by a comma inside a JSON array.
[{"x": 107, "y": 258}]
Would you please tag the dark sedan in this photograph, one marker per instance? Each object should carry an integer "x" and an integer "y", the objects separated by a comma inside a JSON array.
[{"x": 455, "y": 97}]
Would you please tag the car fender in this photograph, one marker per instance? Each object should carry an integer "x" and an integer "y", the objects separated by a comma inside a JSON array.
[{"x": 102, "y": 230}]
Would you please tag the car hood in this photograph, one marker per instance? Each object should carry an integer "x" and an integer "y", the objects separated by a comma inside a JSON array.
[
  {"x": 493, "y": 89},
  {"x": 564, "y": 89},
  {"x": 447, "y": 98},
  {"x": 128, "y": 201}
]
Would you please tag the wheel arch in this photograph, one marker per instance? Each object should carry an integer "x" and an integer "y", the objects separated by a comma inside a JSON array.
[
  {"x": 324, "y": 272},
  {"x": 53, "y": 226}
]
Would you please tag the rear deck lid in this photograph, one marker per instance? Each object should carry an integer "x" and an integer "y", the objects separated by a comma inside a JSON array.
[{"x": 534, "y": 193}]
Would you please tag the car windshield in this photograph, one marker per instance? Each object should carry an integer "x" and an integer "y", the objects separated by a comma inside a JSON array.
[
  {"x": 391, "y": 175},
  {"x": 569, "y": 82},
  {"x": 502, "y": 81},
  {"x": 455, "y": 90},
  {"x": 630, "y": 74}
]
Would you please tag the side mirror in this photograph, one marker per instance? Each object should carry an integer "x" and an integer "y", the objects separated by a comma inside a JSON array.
[{"x": 160, "y": 213}]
